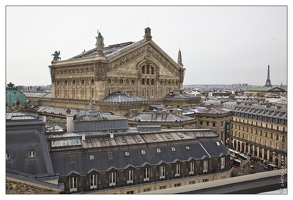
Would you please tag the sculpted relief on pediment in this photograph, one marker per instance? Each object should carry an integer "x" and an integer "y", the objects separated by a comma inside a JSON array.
[{"x": 146, "y": 53}]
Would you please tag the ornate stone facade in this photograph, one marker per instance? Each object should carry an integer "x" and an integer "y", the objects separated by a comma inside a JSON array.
[{"x": 142, "y": 67}]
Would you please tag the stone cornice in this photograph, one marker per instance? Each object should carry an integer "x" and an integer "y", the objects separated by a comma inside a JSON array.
[{"x": 77, "y": 62}]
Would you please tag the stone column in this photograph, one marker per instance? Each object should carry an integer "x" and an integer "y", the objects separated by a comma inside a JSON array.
[
  {"x": 268, "y": 155},
  {"x": 263, "y": 153},
  {"x": 257, "y": 151}
]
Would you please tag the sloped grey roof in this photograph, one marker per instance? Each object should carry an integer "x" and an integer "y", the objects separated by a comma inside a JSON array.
[
  {"x": 211, "y": 110},
  {"x": 262, "y": 110},
  {"x": 148, "y": 116},
  {"x": 181, "y": 95},
  {"x": 82, "y": 164},
  {"x": 38, "y": 94},
  {"x": 107, "y": 50},
  {"x": 120, "y": 97}
]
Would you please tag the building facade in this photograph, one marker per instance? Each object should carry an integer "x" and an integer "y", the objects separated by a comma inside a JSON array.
[
  {"x": 209, "y": 117},
  {"x": 260, "y": 131},
  {"x": 142, "y": 67}
]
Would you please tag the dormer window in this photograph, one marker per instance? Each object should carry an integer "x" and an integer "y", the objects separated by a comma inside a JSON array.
[{"x": 32, "y": 153}]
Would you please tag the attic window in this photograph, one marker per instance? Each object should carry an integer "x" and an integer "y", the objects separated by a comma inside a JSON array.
[
  {"x": 110, "y": 155},
  {"x": 8, "y": 155},
  {"x": 32, "y": 153},
  {"x": 92, "y": 157},
  {"x": 218, "y": 143},
  {"x": 158, "y": 150},
  {"x": 126, "y": 153},
  {"x": 173, "y": 149},
  {"x": 143, "y": 152},
  {"x": 187, "y": 147}
]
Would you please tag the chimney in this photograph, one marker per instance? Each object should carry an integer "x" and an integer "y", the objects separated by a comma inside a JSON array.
[
  {"x": 186, "y": 107},
  {"x": 154, "y": 114},
  {"x": 164, "y": 115},
  {"x": 133, "y": 112},
  {"x": 178, "y": 112},
  {"x": 69, "y": 122}
]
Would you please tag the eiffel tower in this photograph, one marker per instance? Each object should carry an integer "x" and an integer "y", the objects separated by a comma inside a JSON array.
[{"x": 268, "y": 82}]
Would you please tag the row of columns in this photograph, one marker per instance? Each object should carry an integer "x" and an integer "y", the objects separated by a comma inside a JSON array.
[{"x": 259, "y": 152}]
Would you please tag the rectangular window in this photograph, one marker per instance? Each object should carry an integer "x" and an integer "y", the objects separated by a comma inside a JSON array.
[
  {"x": 110, "y": 155},
  {"x": 142, "y": 81},
  {"x": 130, "y": 192},
  {"x": 126, "y": 153},
  {"x": 162, "y": 172},
  {"x": 130, "y": 176},
  {"x": 146, "y": 189},
  {"x": 162, "y": 187},
  {"x": 112, "y": 178},
  {"x": 71, "y": 159},
  {"x": 142, "y": 152},
  {"x": 177, "y": 170},
  {"x": 92, "y": 157},
  {"x": 143, "y": 70},
  {"x": 205, "y": 166},
  {"x": 146, "y": 174},
  {"x": 93, "y": 181},
  {"x": 277, "y": 145},
  {"x": 177, "y": 184},
  {"x": 191, "y": 168},
  {"x": 73, "y": 184},
  {"x": 222, "y": 162},
  {"x": 173, "y": 149},
  {"x": 158, "y": 150},
  {"x": 214, "y": 124},
  {"x": 148, "y": 81},
  {"x": 191, "y": 182}
]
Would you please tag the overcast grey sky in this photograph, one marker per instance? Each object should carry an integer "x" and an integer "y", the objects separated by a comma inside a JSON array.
[{"x": 219, "y": 44}]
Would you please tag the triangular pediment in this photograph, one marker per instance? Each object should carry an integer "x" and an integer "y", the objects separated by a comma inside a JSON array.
[
  {"x": 143, "y": 51},
  {"x": 276, "y": 89}
]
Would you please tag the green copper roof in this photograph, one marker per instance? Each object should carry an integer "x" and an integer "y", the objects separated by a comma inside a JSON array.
[
  {"x": 265, "y": 89},
  {"x": 261, "y": 89},
  {"x": 13, "y": 94}
]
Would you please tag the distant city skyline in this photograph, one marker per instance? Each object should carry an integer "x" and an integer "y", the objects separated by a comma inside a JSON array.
[{"x": 219, "y": 44}]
